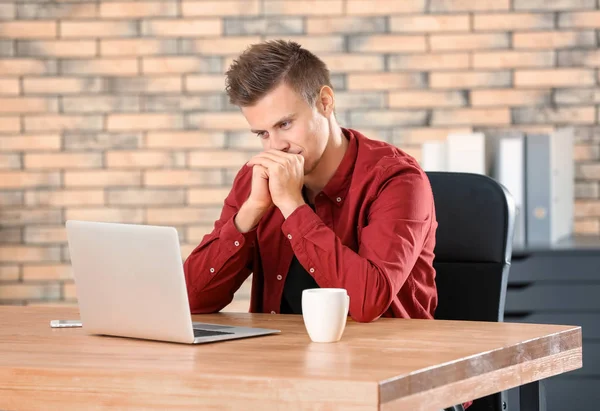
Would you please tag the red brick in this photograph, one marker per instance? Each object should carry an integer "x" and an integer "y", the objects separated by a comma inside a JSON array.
[
  {"x": 577, "y": 96},
  {"x": 62, "y": 198},
  {"x": 500, "y": 116},
  {"x": 316, "y": 44},
  {"x": 22, "y": 179},
  {"x": 388, "y": 118},
  {"x": 127, "y": 10},
  {"x": 587, "y": 226},
  {"x": 247, "y": 141},
  {"x": 22, "y": 66},
  {"x": 69, "y": 291},
  {"x": 383, "y": 7},
  {"x": 384, "y": 81},
  {"x": 429, "y": 23},
  {"x": 100, "y": 104},
  {"x": 9, "y": 199},
  {"x": 19, "y": 217},
  {"x": 587, "y": 152},
  {"x": 10, "y": 124},
  {"x": 220, "y": 8},
  {"x": 217, "y": 121},
  {"x": 30, "y": 142},
  {"x": 20, "y": 253},
  {"x": 353, "y": 62},
  {"x": 462, "y": 42},
  {"x": 303, "y": 7},
  {"x": 444, "y": 6},
  {"x": 345, "y": 25},
  {"x": 513, "y": 21},
  {"x": 232, "y": 45},
  {"x": 45, "y": 235},
  {"x": 513, "y": 59},
  {"x": 9, "y": 273},
  {"x": 587, "y": 208},
  {"x": 469, "y": 79},
  {"x": 554, "y": 78},
  {"x": 107, "y": 214},
  {"x": 417, "y": 136},
  {"x": 424, "y": 99},
  {"x": 146, "y": 85},
  {"x": 9, "y": 86},
  {"x": 576, "y": 58},
  {"x": 8, "y": 11},
  {"x": 188, "y": 178},
  {"x": 182, "y": 28},
  {"x": 63, "y": 160},
  {"x": 429, "y": 61},
  {"x": 554, "y": 39},
  {"x": 137, "y": 47},
  {"x": 213, "y": 159},
  {"x": 16, "y": 292},
  {"x": 144, "y": 121},
  {"x": 185, "y": 139},
  {"x": 510, "y": 97},
  {"x": 63, "y": 122},
  {"x": 28, "y": 105},
  {"x": 10, "y": 161},
  {"x": 47, "y": 272},
  {"x": 179, "y": 215},
  {"x": 97, "y": 29},
  {"x": 104, "y": 178},
  {"x": 61, "y": 85},
  {"x": 205, "y": 82},
  {"x": 144, "y": 159},
  {"x": 207, "y": 196},
  {"x": 141, "y": 197},
  {"x": 555, "y": 115},
  {"x": 58, "y": 48},
  {"x": 28, "y": 29},
  {"x": 386, "y": 43},
  {"x": 581, "y": 20},
  {"x": 121, "y": 67},
  {"x": 170, "y": 65},
  {"x": 553, "y": 4},
  {"x": 55, "y": 11}
]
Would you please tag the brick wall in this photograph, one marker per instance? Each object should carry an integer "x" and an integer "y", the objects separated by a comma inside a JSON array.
[{"x": 115, "y": 110}]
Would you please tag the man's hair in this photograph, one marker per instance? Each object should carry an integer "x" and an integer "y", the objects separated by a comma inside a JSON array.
[{"x": 263, "y": 66}]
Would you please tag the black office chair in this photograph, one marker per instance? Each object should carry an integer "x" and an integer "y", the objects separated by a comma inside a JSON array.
[{"x": 475, "y": 217}]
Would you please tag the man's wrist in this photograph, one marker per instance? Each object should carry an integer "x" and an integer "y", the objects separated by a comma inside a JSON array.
[
  {"x": 289, "y": 207},
  {"x": 248, "y": 217}
]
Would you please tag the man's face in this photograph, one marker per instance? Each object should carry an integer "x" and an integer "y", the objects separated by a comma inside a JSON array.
[{"x": 284, "y": 121}]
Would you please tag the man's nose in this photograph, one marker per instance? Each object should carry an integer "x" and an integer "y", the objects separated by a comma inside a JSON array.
[{"x": 278, "y": 143}]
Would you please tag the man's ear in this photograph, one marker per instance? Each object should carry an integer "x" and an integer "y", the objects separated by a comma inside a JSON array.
[{"x": 326, "y": 101}]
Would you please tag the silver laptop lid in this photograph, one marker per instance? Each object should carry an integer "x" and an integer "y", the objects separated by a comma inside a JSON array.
[{"x": 130, "y": 280}]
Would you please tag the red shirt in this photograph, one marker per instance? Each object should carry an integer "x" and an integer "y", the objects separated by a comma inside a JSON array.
[{"x": 372, "y": 233}]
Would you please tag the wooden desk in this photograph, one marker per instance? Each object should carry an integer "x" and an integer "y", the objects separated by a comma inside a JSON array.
[{"x": 389, "y": 364}]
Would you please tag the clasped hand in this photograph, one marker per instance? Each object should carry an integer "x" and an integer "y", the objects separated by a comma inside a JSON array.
[{"x": 285, "y": 177}]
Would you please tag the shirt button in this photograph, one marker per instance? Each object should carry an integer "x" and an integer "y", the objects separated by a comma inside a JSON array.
[
  {"x": 212, "y": 270},
  {"x": 339, "y": 199},
  {"x": 279, "y": 277},
  {"x": 289, "y": 236},
  {"x": 312, "y": 270},
  {"x": 237, "y": 243},
  {"x": 273, "y": 312}
]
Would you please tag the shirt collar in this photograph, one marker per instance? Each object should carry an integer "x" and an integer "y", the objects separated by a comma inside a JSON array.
[{"x": 337, "y": 187}]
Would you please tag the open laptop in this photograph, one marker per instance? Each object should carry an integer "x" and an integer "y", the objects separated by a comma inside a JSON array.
[{"x": 130, "y": 283}]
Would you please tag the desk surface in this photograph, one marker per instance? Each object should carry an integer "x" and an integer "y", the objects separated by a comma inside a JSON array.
[{"x": 387, "y": 364}]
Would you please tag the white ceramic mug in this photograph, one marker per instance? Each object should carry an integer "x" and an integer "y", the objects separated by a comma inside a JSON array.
[{"x": 325, "y": 311}]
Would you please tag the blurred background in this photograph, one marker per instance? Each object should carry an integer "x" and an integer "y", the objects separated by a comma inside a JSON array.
[{"x": 116, "y": 111}]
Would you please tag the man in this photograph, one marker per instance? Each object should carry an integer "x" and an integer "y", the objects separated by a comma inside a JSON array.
[{"x": 320, "y": 206}]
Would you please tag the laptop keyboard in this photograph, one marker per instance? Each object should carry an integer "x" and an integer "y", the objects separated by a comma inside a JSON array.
[{"x": 208, "y": 333}]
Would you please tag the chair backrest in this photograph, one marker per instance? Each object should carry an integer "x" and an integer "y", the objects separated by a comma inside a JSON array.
[
  {"x": 473, "y": 250},
  {"x": 475, "y": 217}
]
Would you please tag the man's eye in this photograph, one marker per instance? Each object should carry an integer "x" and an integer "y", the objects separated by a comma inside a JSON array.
[
  {"x": 262, "y": 135},
  {"x": 286, "y": 124}
]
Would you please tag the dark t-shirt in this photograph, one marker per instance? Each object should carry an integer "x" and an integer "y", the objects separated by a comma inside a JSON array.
[{"x": 296, "y": 281}]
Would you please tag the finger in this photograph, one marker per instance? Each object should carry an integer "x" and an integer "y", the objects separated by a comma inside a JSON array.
[
  {"x": 284, "y": 161},
  {"x": 262, "y": 161}
]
